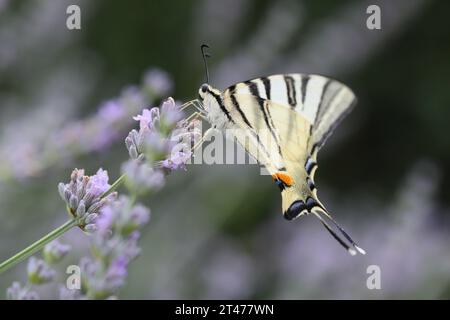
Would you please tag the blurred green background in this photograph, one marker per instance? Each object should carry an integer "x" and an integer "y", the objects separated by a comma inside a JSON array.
[{"x": 217, "y": 231}]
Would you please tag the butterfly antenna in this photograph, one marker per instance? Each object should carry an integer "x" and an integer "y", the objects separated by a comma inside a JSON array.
[{"x": 205, "y": 55}]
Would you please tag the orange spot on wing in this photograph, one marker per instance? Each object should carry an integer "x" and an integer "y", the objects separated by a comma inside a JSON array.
[{"x": 285, "y": 178}]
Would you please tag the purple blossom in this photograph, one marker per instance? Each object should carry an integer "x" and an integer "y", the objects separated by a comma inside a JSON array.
[
  {"x": 117, "y": 272},
  {"x": 158, "y": 81},
  {"x": 17, "y": 292},
  {"x": 115, "y": 245},
  {"x": 98, "y": 183},
  {"x": 55, "y": 252},
  {"x": 163, "y": 139},
  {"x": 148, "y": 119},
  {"x": 39, "y": 272},
  {"x": 121, "y": 217},
  {"x": 111, "y": 111},
  {"x": 170, "y": 112},
  {"x": 105, "y": 220},
  {"x": 83, "y": 196},
  {"x": 139, "y": 216},
  {"x": 69, "y": 294},
  {"x": 141, "y": 177},
  {"x": 177, "y": 160}
]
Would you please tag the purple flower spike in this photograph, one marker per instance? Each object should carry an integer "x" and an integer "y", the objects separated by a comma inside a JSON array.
[
  {"x": 148, "y": 119},
  {"x": 55, "y": 252},
  {"x": 111, "y": 111},
  {"x": 83, "y": 196},
  {"x": 39, "y": 272},
  {"x": 17, "y": 292},
  {"x": 170, "y": 112},
  {"x": 98, "y": 183},
  {"x": 177, "y": 160}
]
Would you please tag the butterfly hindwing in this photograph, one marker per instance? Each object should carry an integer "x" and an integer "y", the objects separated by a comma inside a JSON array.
[{"x": 281, "y": 146}]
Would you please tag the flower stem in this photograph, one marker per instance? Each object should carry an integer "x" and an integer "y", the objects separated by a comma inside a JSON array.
[
  {"x": 36, "y": 246},
  {"x": 114, "y": 186}
]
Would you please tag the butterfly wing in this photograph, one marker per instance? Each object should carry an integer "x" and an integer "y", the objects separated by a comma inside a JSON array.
[
  {"x": 288, "y": 118},
  {"x": 282, "y": 144},
  {"x": 320, "y": 100}
]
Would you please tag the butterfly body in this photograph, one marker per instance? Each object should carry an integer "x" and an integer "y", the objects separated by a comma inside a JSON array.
[{"x": 283, "y": 121}]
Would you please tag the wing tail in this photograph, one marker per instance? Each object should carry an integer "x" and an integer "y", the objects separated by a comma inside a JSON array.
[{"x": 353, "y": 248}]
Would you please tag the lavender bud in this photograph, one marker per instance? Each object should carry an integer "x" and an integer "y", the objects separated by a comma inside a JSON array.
[
  {"x": 90, "y": 227},
  {"x": 17, "y": 292},
  {"x": 67, "y": 194},
  {"x": 83, "y": 195},
  {"x": 90, "y": 218},
  {"x": 55, "y": 252},
  {"x": 73, "y": 202},
  {"x": 81, "y": 210},
  {"x": 129, "y": 142},
  {"x": 39, "y": 272},
  {"x": 133, "y": 152},
  {"x": 89, "y": 198}
]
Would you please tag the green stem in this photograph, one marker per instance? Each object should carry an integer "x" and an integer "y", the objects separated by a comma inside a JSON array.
[
  {"x": 36, "y": 246},
  {"x": 114, "y": 186}
]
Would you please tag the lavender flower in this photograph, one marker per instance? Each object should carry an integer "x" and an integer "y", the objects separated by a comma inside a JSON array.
[
  {"x": 117, "y": 219},
  {"x": 100, "y": 283},
  {"x": 39, "y": 272},
  {"x": 55, "y": 251},
  {"x": 158, "y": 82},
  {"x": 170, "y": 114},
  {"x": 141, "y": 177},
  {"x": 114, "y": 246},
  {"x": 69, "y": 294},
  {"x": 163, "y": 138},
  {"x": 109, "y": 116},
  {"x": 83, "y": 196},
  {"x": 17, "y": 292}
]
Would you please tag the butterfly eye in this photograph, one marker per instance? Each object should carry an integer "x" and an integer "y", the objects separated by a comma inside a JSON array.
[{"x": 204, "y": 88}]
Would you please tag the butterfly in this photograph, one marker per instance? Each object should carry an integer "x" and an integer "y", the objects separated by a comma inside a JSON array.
[{"x": 283, "y": 121}]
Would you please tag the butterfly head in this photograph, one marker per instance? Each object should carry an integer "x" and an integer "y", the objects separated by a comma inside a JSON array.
[
  {"x": 203, "y": 91},
  {"x": 209, "y": 95}
]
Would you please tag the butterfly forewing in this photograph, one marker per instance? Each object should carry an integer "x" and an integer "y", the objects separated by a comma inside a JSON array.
[{"x": 320, "y": 100}]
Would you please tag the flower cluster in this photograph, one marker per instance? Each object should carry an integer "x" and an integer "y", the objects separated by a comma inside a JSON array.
[
  {"x": 18, "y": 292},
  {"x": 84, "y": 196},
  {"x": 114, "y": 246},
  {"x": 162, "y": 144},
  {"x": 39, "y": 151}
]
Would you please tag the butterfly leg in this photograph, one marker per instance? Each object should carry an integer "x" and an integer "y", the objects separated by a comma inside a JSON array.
[
  {"x": 188, "y": 104},
  {"x": 206, "y": 136},
  {"x": 194, "y": 116}
]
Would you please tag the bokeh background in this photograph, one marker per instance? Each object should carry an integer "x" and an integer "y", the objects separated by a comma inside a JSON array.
[{"x": 217, "y": 231}]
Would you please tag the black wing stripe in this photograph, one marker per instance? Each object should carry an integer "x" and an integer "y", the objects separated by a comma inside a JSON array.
[
  {"x": 305, "y": 79},
  {"x": 221, "y": 105},
  {"x": 324, "y": 90},
  {"x": 267, "y": 86},
  {"x": 290, "y": 90},
  {"x": 247, "y": 122},
  {"x": 238, "y": 108},
  {"x": 253, "y": 87}
]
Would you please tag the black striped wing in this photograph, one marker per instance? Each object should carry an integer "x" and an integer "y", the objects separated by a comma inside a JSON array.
[
  {"x": 287, "y": 119},
  {"x": 323, "y": 102}
]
